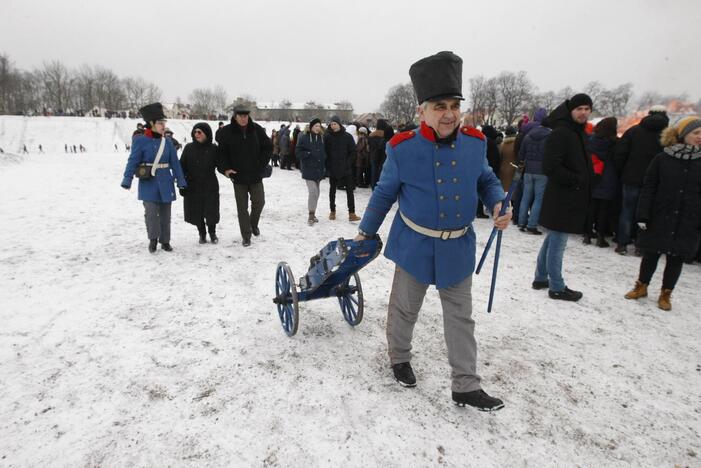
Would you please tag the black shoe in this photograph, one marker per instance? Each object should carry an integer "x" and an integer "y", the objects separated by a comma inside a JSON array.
[
  {"x": 601, "y": 242},
  {"x": 540, "y": 284},
  {"x": 621, "y": 249},
  {"x": 534, "y": 231},
  {"x": 586, "y": 240},
  {"x": 255, "y": 231},
  {"x": 404, "y": 374},
  {"x": 566, "y": 295},
  {"x": 152, "y": 245},
  {"x": 214, "y": 238},
  {"x": 166, "y": 246},
  {"x": 522, "y": 227},
  {"x": 246, "y": 242},
  {"x": 203, "y": 239},
  {"x": 478, "y": 399}
]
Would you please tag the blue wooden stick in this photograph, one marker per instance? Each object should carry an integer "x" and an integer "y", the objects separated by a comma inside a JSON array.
[
  {"x": 494, "y": 272},
  {"x": 504, "y": 207}
]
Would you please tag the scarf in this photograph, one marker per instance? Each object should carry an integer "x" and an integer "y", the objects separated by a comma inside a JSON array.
[{"x": 683, "y": 151}]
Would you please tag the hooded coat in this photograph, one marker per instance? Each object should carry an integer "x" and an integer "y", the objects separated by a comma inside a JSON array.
[
  {"x": 312, "y": 156},
  {"x": 567, "y": 164},
  {"x": 340, "y": 153},
  {"x": 245, "y": 150},
  {"x": 605, "y": 186},
  {"x": 199, "y": 163},
  {"x": 638, "y": 145}
]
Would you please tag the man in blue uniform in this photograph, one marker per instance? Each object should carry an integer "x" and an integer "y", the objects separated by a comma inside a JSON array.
[{"x": 437, "y": 174}]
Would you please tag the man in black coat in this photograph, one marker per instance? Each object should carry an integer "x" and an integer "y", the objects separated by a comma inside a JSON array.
[
  {"x": 340, "y": 159},
  {"x": 567, "y": 164},
  {"x": 634, "y": 152},
  {"x": 244, "y": 151}
]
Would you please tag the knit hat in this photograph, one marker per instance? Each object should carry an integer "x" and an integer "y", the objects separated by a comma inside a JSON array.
[
  {"x": 580, "y": 99},
  {"x": 510, "y": 131},
  {"x": 658, "y": 108},
  {"x": 336, "y": 119},
  {"x": 314, "y": 121},
  {"x": 606, "y": 128},
  {"x": 686, "y": 126},
  {"x": 362, "y": 130}
]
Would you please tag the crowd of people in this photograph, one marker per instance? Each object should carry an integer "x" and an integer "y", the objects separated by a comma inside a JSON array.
[{"x": 566, "y": 175}]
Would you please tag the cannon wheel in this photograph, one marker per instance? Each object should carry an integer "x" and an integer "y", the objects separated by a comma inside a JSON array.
[
  {"x": 286, "y": 299},
  {"x": 350, "y": 298}
]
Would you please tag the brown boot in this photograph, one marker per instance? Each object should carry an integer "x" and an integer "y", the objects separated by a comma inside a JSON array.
[
  {"x": 332, "y": 215},
  {"x": 665, "y": 300},
  {"x": 638, "y": 291},
  {"x": 353, "y": 217}
]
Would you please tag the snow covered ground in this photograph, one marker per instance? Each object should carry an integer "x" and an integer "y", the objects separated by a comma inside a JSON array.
[{"x": 110, "y": 356}]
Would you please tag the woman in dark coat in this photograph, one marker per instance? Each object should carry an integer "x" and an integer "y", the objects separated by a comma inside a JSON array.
[
  {"x": 669, "y": 209},
  {"x": 312, "y": 158},
  {"x": 604, "y": 181},
  {"x": 201, "y": 199}
]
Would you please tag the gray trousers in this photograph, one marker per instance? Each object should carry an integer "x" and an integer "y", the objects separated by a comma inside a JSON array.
[
  {"x": 248, "y": 221},
  {"x": 157, "y": 217},
  {"x": 458, "y": 327},
  {"x": 313, "y": 198}
]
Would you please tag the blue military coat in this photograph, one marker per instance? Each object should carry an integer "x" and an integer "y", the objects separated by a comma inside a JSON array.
[
  {"x": 160, "y": 188},
  {"x": 437, "y": 187}
]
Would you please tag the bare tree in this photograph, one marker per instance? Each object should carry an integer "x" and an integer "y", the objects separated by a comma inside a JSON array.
[
  {"x": 8, "y": 84},
  {"x": 202, "y": 101},
  {"x": 477, "y": 99},
  {"x": 55, "y": 79},
  {"x": 564, "y": 94},
  {"x": 491, "y": 100},
  {"x": 514, "y": 92},
  {"x": 219, "y": 98},
  {"x": 109, "y": 91},
  {"x": 400, "y": 103},
  {"x": 614, "y": 102},
  {"x": 139, "y": 92}
]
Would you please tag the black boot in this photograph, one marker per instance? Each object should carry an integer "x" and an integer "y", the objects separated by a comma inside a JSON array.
[
  {"x": 152, "y": 245},
  {"x": 213, "y": 234},
  {"x": 587, "y": 239},
  {"x": 478, "y": 399},
  {"x": 166, "y": 246},
  {"x": 601, "y": 241},
  {"x": 404, "y": 374},
  {"x": 203, "y": 232}
]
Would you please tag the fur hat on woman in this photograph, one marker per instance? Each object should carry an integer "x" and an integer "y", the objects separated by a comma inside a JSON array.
[{"x": 675, "y": 134}]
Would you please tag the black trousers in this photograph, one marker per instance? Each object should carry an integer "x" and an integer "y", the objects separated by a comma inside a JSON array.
[
  {"x": 599, "y": 216},
  {"x": 248, "y": 221},
  {"x": 202, "y": 228},
  {"x": 350, "y": 198},
  {"x": 672, "y": 269}
]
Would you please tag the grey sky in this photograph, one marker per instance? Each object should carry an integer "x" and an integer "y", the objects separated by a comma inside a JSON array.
[{"x": 356, "y": 50}]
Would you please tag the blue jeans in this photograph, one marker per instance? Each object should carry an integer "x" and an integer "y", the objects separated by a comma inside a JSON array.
[
  {"x": 533, "y": 190},
  {"x": 549, "y": 266},
  {"x": 627, "y": 217}
]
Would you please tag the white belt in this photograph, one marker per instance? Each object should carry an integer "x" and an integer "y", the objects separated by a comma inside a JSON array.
[
  {"x": 160, "y": 166},
  {"x": 443, "y": 235}
]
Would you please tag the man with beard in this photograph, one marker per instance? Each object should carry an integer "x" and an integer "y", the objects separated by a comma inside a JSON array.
[
  {"x": 568, "y": 165},
  {"x": 436, "y": 174},
  {"x": 244, "y": 150}
]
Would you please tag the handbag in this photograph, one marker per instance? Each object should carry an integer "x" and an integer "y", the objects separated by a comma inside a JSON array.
[
  {"x": 266, "y": 172},
  {"x": 145, "y": 171}
]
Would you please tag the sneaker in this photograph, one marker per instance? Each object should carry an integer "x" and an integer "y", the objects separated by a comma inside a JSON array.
[
  {"x": 246, "y": 242},
  {"x": 534, "y": 231},
  {"x": 255, "y": 231},
  {"x": 166, "y": 246},
  {"x": 478, "y": 399},
  {"x": 214, "y": 239},
  {"x": 566, "y": 295},
  {"x": 540, "y": 284},
  {"x": 621, "y": 249},
  {"x": 152, "y": 245},
  {"x": 404, "y": 374}
]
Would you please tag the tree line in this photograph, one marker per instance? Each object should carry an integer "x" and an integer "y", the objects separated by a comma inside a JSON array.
[{"x": 501, "y": 100}]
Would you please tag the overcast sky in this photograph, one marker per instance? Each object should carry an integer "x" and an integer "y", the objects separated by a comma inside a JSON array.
[{"x": 357, "y": 50}]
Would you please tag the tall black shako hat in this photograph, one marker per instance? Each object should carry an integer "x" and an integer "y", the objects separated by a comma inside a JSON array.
[
  {"x": 152, "y": 112},
  {"x": 437, "y": 77}
]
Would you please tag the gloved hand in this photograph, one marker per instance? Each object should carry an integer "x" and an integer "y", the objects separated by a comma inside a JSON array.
[{"x": 642, "y": 226}]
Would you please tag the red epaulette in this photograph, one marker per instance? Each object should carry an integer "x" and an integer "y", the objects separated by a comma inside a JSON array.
[
  {"x": 400, "y": 137},
  {"x": 473, "y": 132}
]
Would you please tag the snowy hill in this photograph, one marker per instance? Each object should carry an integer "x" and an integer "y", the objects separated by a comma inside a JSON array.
[{"x": 110, "y": 356}]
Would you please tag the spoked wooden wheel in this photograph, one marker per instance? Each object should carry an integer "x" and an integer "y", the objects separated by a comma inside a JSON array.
[
  {"x": 286, "y": 299},
  {"x": 350, "y": 298}
]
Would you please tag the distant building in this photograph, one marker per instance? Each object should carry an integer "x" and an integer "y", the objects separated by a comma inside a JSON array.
[{"x": 301, "y": 112}]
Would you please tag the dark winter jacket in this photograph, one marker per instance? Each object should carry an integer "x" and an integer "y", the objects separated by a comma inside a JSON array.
[
  {"x": 199, "y": 163},
  {"x": 670, "y": 203},
  {"x": 533, "y": 149},
  {"x": 493, "y": 156},
  {"x": 538, "y": 117},
  {"x": 340, "y": 153},
  {"x": 312, "y": 156},
  {"x": 638, "y": 145},
  {"x": 245, "y": 150},
  {"x": 377, "y": 143},
  {"x": 284, "y": 141},
  {"x": 604, "y": 186},
  {"x": 567, "y": 164}
]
